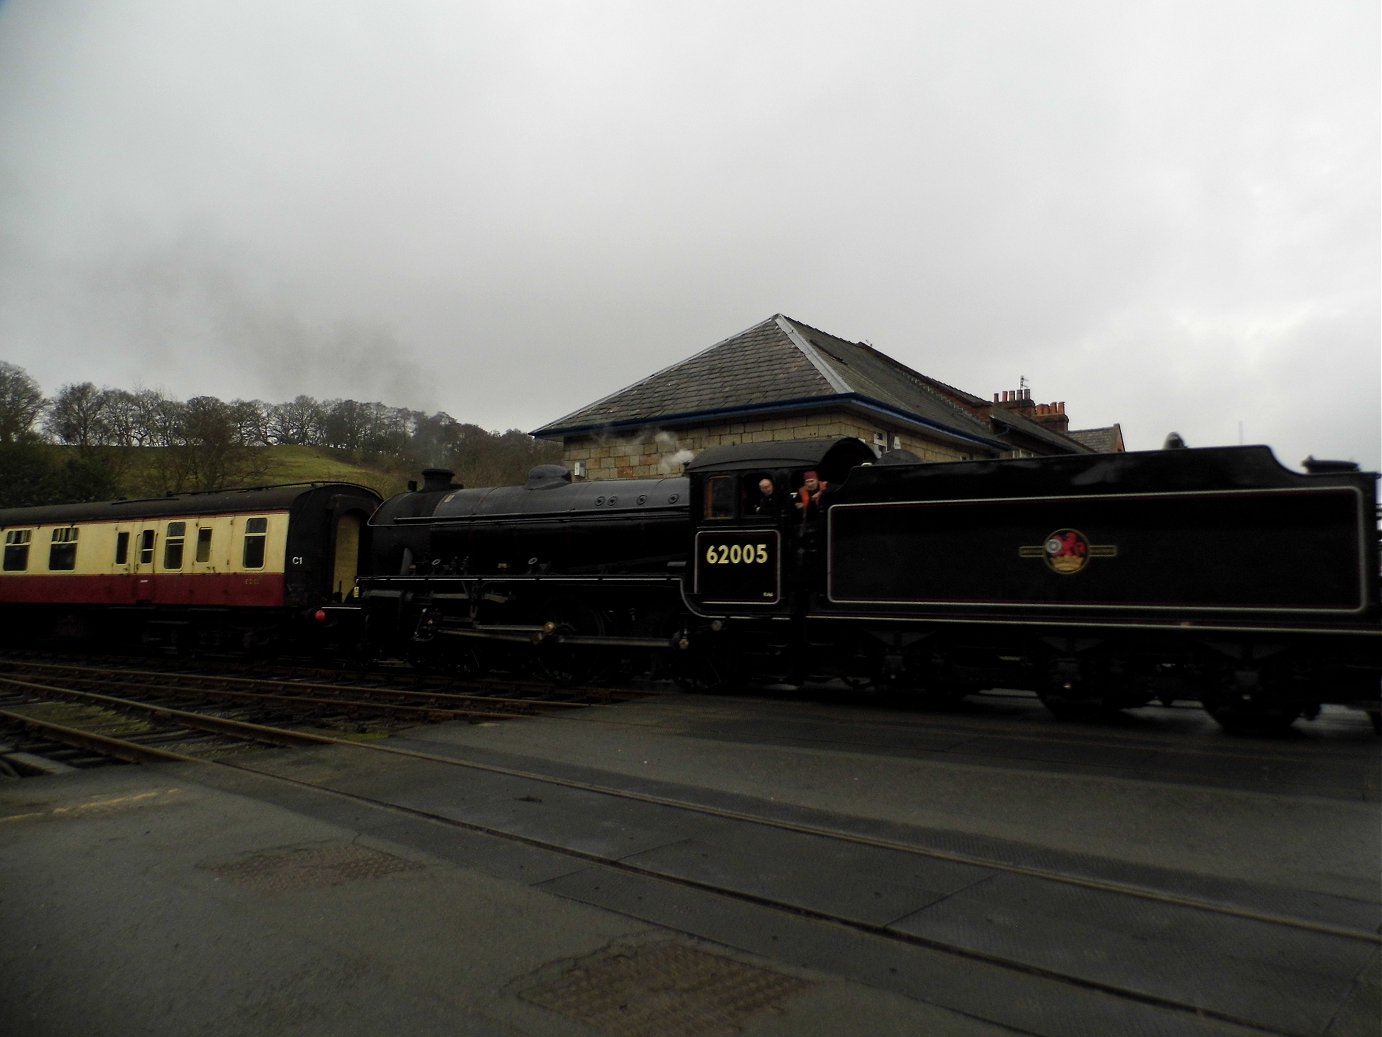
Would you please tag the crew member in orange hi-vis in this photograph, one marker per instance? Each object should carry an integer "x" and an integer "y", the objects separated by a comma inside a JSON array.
[{"x": 810, "y": 494}]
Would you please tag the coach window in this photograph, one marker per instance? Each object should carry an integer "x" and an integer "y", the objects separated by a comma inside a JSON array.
[
  {"x": 62, "y": 555},
  {"x": 17, "y": 549},
  {"x": 256, "y": 532},
  {"x": 721, "y": 492},
  {"x": 146, "y": 547},
  {"x": 172, "y": 545},
  {"x": 203, "y": 544},
  {"x": 122, "y": 548}
]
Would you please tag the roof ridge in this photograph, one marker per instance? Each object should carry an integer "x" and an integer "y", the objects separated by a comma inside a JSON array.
[
  {"x": 826, "y": 369},
  {"x": 656, "y": 374}
]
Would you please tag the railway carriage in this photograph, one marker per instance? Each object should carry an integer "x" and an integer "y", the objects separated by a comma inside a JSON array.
[{"x": 240, "y": 567}]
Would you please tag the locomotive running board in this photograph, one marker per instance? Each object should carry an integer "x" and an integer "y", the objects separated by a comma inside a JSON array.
[{"x": 538, "y": 635}]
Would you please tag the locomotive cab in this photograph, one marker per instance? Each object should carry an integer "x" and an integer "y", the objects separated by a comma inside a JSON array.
[{"x": 757, "y": 548}]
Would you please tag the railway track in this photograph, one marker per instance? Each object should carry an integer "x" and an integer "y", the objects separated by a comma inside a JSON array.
[
  {"x": 882, "y": 889},
  {"x": 80, "y": 714}
]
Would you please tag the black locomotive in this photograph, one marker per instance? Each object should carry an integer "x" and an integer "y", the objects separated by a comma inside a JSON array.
[{"x": 1099, "y": 581}]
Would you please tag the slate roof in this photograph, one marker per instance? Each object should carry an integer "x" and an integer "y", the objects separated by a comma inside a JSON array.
[
  {"x": 1108, "y": 440},
  {"x": 1063, "y": 441},
  {"x": 779, "y": 364}
]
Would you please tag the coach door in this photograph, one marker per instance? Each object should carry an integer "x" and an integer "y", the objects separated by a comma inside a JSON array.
[
  {"x": 143, "y": 562},
  {"x": 345, "y": 563},
  {"x": 135, "y": 545}
]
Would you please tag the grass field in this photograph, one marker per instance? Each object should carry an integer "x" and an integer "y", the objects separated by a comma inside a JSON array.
[
  {"x": 286, "y": 464},
  {"x": 270, "y": 466}
]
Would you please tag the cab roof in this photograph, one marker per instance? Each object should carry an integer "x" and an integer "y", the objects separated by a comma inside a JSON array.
[{"x": 839, "y": 454}]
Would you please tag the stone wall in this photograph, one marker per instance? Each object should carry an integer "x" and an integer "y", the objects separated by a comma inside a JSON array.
[{"x": 652, "y": 453}]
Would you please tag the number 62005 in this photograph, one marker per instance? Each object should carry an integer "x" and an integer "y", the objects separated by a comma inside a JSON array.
[{"x": 737, "y": 554}]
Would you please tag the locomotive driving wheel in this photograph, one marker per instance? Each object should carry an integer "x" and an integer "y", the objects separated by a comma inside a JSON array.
[
  {"x": 708, "y": 665},
  {"x": 561, "y": 659}
]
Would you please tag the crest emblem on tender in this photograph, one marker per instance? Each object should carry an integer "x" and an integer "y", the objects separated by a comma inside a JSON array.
[{"x": 1067, "y": 551}]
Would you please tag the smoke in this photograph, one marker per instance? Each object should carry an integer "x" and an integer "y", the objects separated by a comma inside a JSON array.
[
  {"x": 671, "y": 465},
  {"x": 673, "y": 455},
  {"x": 199, "y": 317}
]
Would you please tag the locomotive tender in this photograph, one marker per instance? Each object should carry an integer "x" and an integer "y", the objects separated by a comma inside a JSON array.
[
  {"x": 242, "y": 568},
  {"x": 1099, "y": 581}
]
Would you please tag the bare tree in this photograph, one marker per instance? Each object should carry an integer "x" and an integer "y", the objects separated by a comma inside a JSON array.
[
  {"x": 386, "y": 429},
  {"x": 122, "y": 418},
  {"x": 251, "y": 419},
  {"x": 483, "y": 458},
  {"x": 77, "y": 416},
  {"x": 344, "y": 425},
  {"x": 21, "y": 403},
  {"x": 298, "y": 423},
  {"x": 215, "y": 455}
]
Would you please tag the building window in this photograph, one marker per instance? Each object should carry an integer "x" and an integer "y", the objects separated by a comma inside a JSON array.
[
  {"x": 203, "y": 544},
  {"x": 256, "y": 533},
  {"x": 172, "y": 545},
  {"x": 17, "y": 549},
  {"x": 122, "y": 548},
  {"x": 62, "y": 554}
]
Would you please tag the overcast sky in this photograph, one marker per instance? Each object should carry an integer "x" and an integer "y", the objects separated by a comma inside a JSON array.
[{"x": 1165, "y": 214}]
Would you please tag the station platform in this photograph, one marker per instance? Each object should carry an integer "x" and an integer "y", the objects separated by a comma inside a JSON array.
[{"x": 179, "y": 899}]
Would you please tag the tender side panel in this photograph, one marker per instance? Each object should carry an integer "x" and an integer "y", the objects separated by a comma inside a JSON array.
[{"x": 1254, "y": 551}]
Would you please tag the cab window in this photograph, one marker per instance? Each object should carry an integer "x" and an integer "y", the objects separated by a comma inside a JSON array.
[
  {"x": 721, "y": 495},
  {"x": 17, "y": 549},
  {"x": 62, "y": 554},
  {"x": 256, "y": 533}
]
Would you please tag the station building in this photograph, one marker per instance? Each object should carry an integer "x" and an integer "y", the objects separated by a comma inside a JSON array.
[{"x": 782, "y": 379}]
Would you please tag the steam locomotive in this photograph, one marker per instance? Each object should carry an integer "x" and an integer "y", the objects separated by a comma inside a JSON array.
[{"x": 1099, "y": 581}]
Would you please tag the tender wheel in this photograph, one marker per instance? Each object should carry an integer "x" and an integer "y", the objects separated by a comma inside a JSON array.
[
  {"x": 1240, "y": 714},
  {"x": 1067, "y": 691},
  {"x": 1252, "y": 700},
  {"x": 1063, "y": 705},
  {"x": 1089, "y": 686}
]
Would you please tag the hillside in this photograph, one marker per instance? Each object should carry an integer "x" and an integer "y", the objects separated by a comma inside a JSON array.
[{"x": 289, "y": 464}]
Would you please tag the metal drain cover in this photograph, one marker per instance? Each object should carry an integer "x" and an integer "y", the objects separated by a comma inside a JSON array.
[
  {"x": 660, "y": 990},
  {"x": 308, "y": 867}
]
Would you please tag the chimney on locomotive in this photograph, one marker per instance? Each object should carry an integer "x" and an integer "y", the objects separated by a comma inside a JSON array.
[{"x": 436, "y": 480}]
